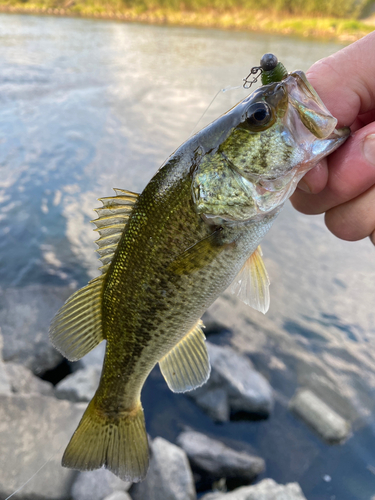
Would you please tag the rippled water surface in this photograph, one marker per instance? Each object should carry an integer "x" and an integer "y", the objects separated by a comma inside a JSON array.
[{"x": 90, "y": 105}]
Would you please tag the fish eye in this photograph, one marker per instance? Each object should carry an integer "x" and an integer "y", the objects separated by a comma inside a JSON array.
[{"x": 258, "y": 115}]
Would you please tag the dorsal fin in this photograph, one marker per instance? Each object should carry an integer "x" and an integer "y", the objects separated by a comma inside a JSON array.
[
  {"x": 252, "y": 283},
  {"x": 77, "y": 326},
  {"x": 112, "y": 218}
]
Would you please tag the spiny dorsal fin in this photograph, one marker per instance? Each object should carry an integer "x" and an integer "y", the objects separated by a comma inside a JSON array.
[
  {"x": 252, "y": 283},
  {"x": 112, "y": 218},
  {"x": 77, "y": 327},
  {"x": 187, "y": 366}
]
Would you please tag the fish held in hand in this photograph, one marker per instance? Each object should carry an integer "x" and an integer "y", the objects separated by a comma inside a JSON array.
[{"x": 169, "y": 252}]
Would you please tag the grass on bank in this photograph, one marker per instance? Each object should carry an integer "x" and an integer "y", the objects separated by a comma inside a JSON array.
[{"x": 298, "y": 19}]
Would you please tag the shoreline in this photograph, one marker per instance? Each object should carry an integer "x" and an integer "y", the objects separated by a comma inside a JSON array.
[{"x": 339, "y": 29}]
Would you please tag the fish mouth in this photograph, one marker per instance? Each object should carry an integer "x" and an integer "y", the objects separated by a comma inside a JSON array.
[
  {"x": 310, "y": 108},
  {"x": 340, "y": 133}
]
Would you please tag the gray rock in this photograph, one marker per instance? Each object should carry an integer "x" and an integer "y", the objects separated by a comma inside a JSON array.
[
  {"x": 25, "y": 315},
  {"x": 97, "y": 484},
  {"x": 33, "y": 433},
  {"x": 214, "y": 401},
  {"x": 267, "y": 489},
  {"x": 23, "y": 381},
  {"x": 245, "y": 388},
  {"x": 218, "y": 460},
  {"x": 169, "y": 476},
  {"x": 211, "y": 325},
  {"x": 80, "y": 385},
  {"x": 94, "y": 357},
  {"x": 318, "y": 415},
  {"x": 5, "y": 387},
  {"x": 118, "y": 495}
]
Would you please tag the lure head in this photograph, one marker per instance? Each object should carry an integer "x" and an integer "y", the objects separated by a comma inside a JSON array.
[{"x": 275, "y": 136}]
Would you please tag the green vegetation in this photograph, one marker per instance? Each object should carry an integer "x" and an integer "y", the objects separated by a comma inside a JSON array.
[{"x": 312, "y": 18}]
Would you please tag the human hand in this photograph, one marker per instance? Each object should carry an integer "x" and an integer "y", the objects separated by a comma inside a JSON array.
[{"x": 343, "y": 185}]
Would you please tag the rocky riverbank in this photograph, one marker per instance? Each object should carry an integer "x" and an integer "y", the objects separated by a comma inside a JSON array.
[{"x": 37, "y": 418}]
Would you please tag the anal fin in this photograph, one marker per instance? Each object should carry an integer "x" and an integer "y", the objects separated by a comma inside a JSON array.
[
  {"x": 187, "y": 365},
  {"x": 252, "y": 283}
]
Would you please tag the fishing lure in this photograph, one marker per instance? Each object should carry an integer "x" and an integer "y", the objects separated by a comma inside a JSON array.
[{"x": 270, "y": 70}]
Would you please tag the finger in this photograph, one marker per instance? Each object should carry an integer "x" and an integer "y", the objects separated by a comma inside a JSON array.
[
  {"x": 372, "y": 237},
  {"x": 344, "y": 81},
  {"x": 351, "y": 171},
  {"x": 355, "y": 219},
  {"x": 316, "y": 179}
]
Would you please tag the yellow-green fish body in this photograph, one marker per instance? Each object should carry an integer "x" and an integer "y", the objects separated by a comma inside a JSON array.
[{"x": 169, "y": 252}]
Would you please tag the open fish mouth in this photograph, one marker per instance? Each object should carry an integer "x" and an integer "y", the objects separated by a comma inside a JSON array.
[{"x": 340, "y": 133}]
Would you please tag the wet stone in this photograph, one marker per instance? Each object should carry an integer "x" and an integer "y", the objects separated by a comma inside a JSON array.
[
  {"x": 25, "y": 316},
  {"x": 211, "y": 325},
  {"x": 23, "y": 381},
  {"x": 246, "y": 389},
  {"x": 5, "y": 387},
  {"x": 319, "y": 416},
  {"x": 118, "y": 495},
  {"x": 214, "y": 402},
  {"x": 215, "y": 459},
  {"x": 267, "y": 489},
  {"x": 169, "y": 476},
  {"x": 80, "y": 385},
  {"x": 97, "y": 484},
  {"x": 34, "y": 430}
]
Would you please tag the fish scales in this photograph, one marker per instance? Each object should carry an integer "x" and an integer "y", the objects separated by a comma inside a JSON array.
[
  {"x": 169, "y": 253},
  {"x": 157, "y": 306}
]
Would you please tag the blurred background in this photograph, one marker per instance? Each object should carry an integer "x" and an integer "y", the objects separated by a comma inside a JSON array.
[{"x": 87, "y": 105}]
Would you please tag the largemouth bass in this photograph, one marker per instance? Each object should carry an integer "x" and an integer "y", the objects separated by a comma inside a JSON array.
[{"x": 169, "y": 252}]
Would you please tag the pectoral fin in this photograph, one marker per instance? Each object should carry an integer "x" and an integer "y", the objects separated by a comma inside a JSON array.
[
  {"x": 252, "y": 283},
  {"x": 187, "y": 366}
]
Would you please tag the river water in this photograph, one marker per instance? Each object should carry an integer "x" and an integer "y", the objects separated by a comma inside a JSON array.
[{"x": 87, "y": 105}]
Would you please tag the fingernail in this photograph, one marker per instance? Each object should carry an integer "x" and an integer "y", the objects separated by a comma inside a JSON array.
[
  {"x": 303, "y": 186},
  {"x": 369, "y": 149}
]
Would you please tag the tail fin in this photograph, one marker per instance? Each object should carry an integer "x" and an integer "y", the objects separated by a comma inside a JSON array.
[{"x": 118, "y": 442}]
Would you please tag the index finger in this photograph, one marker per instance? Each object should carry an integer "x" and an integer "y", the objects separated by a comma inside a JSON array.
[{"x": 345, "y": 80}]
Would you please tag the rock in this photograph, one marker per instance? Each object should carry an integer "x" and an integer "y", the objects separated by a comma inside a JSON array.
[
  {"x": 34, "y": 430},
  {"x": 169, "y": 476},
  {"x": 22, "y": 380},
  {"x": 94, "y": 357},
  {"x": 246, "y": 390},
  {"x": 318, "y": 415},
  {"x": 25, "y": 315},
  {"x": 97, "y": 484},
  {"x": 267, "y": 489},
  {"x": 218, "y": 460},
  {"x": 5, "y": 387},
  {"x": 213, "y": 401},
  {"x": 118, "y": 495},
  {"x": 211, "y": 325},
  {"x": 80, "y": 385}
]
